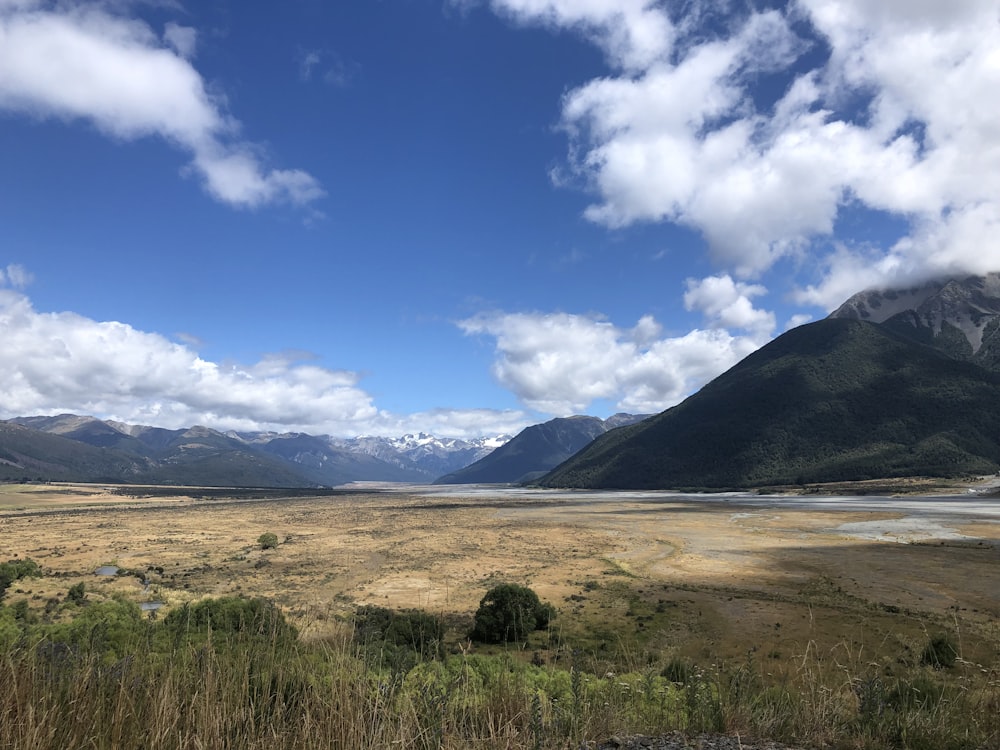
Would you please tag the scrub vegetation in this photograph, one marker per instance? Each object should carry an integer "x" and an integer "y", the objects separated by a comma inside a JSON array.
[
  {"x": 489, "y": 624},
  {"x": 233, "y": 672}
]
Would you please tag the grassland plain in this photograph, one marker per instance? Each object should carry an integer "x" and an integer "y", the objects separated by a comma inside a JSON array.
[{"x": 801, "y": 618}]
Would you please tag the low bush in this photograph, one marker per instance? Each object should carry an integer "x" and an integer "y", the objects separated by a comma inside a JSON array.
[
  {"x": 940, "y": 652},
  {"x": 384, "y": 631},
  {"x": 106, "y": 630},
  {"x": 14, "y": 570},
  {"x": 510, "y": 612},
  {"x": 109, "y": 677},
  {"x": 231, "y": 616},
  {"x": 77, "y": 593}
]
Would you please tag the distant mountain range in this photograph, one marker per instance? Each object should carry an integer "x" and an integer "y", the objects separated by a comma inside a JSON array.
[
  {"x": 892, "y": 384},
  {"x": 537, "y": 450},
  {"x": 82, "y": 448}
]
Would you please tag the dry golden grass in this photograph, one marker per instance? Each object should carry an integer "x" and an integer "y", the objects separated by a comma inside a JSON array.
[
  {"x": 788, "y": 620},
  {"x": 702, "y": 579}
]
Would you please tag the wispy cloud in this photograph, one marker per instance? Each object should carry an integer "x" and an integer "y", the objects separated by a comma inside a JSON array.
[
  {"x": 16, "y": 276},
  {"x": 85, "y": 62},
  {"x": 327, "y": 67},
  {"x": 183, "y": 39}
]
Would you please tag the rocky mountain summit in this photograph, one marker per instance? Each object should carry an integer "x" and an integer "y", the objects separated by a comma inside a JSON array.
[
  {"x": 961, "y": 316},
  {"x": 433, "y": 455}
]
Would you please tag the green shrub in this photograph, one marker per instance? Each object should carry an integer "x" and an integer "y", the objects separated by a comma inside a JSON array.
[
  {"x": 268, "y": 540},
  {"x": 109, "y": 629},
  {"x": 77, "y": 594},
  {"x": 370, "y": 623},
  {"x": 233, "y": 615},
  {"x": 10, "y": 628},
  {"x": 940, "y": 652},
  {"x": 13, "y": 570},
  {"x": 414, "y": 630},
  {"x": 677, "y": 671},
  {"x": 417, "y": 630},
  {"x": 509, "y": 612}
]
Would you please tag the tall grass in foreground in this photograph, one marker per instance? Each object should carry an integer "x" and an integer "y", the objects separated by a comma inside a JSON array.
[{"x": 251, "y": 693}]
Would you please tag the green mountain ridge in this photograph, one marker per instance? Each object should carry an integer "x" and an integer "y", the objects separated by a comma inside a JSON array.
[
  {"x": 68, "y": 447},
  {"x": 30, "y": 454},
  {"x": 531, "y": 453},
  {"x": 836, "y": 400}
]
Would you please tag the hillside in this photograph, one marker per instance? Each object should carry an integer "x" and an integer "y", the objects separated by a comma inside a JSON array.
[
  {"x": 323, "y": 463},
  {"x": 29, "y": 454},
  {"x": 204, "y": 456},
  {"x": 536, "y": 450},
  {"x": 72, "y": 447},
  {"x": 839, "y": 399}
]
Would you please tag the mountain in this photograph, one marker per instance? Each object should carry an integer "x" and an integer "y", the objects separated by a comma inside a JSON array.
[
  {"x": 324, "y": 463},
  {"x": 203, "y": 456},
  {"x": 427, "y": 454},
  {"x": 836, "y": 400},
  {"x": 961, "y": 317},
  {"x": 73, "y": 448},
  {"x": 410, "y": 458},
  {"x": 536, "y": 450},
  {"x": 196, "y": 455},
  {"x": 30, "y": 454}
]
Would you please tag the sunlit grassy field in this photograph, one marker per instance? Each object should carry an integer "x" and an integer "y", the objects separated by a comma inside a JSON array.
[{"x": 763, "y": 618}]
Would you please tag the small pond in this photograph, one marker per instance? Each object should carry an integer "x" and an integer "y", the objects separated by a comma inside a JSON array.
[
  {"x": 150, "y": 606},
  {"x": 107, "y": 570}
]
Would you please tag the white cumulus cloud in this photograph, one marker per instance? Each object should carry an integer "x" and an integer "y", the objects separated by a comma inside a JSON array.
[
  {"x": 728, "y": 304},
  {"x": 63, "y": 362},
  {"x": 884, "y": 107},
  {"x": 84, "y": 62},
  {"x": 560, "y": 363},
  {"x": 633, "y": 33},
  {"x": 895, "y": 113}
]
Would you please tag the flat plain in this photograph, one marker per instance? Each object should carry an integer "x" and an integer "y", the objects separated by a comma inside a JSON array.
[{"x": 633, "y": 575}]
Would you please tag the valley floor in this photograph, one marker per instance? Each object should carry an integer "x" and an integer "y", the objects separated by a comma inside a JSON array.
[
  {"x": 747, "y": 562},
  {"x": 852, "y": 585}
]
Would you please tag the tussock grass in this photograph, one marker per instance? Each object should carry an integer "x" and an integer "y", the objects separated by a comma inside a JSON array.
[{"x": 258, "y": 685}]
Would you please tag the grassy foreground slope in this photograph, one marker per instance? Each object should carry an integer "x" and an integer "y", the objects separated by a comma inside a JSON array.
[
  {"x": 835, "y": 400},
  {"x": 233, "y": 673}
]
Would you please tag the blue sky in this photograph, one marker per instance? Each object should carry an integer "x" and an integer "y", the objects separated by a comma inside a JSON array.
[{"x": 465, "y": 216}]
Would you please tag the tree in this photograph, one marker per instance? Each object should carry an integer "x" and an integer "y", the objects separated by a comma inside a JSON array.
[
  {"x": 509, "y": 612},
  {"x": 268, "y": 540}
]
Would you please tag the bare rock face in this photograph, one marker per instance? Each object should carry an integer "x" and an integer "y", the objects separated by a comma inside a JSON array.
[{"x": 961, "y": 317}]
